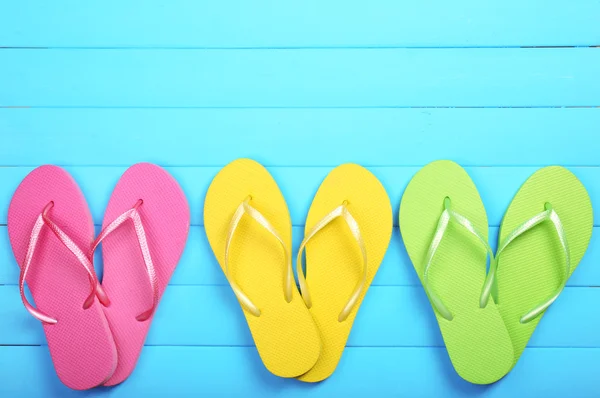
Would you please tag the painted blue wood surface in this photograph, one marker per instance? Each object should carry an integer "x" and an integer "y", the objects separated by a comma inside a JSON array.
[
  {"x": 389, "y": 77},
  {"x": 309, "y": 23},
  {"x": 301, "y": 137},
  {"x": 303, "y": 87}
]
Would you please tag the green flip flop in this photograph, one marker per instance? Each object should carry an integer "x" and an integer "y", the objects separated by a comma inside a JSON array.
[
  {"x": 544, "y": 234},
  {"x": 445, "y": 230}
]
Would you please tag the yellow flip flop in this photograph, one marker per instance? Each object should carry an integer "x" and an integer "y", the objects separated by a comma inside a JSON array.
[
  {"x": 249, "y": 229},
  {"x": 348, "y": 229}
]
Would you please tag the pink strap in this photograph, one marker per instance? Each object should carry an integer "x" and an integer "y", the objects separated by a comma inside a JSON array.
[
  {"x": 133, "y": 215},
  {"x": 69, "y": 244}
]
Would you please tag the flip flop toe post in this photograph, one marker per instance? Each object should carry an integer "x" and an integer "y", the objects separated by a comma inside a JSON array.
[
  {"x": 144, "y": 232},
  {"x": 543, "y": 237},
  {"x": 445, "y": 230},
  {"x": 51, "y": 232},
  {"x": 348, "y": 230},
  {"x": 249, "y": 229}
]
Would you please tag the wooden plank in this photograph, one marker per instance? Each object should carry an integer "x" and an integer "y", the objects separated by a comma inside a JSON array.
[
  {"x": 496, "y": 185},
  {"x": 265, "y": 23},
  {"x": 511, "y": 77},
  {"x": 300, "y": 137},
  {"x": 390, "y": 316},
  {"x": 238, "y": 371},
  {"x": 198, "y": 265}
]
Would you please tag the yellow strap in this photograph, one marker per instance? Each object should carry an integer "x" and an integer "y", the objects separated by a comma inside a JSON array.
[
  {"x": 340, "y": 211},
  {"x": 245, "y": 208}
]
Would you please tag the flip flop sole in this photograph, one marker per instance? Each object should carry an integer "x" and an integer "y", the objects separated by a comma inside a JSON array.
[
  {"x": 531, "y": 268},
  {"x": 165, "y": 216},
  {"x": 334, "y": 263},
  {"x": 285, "y": 334},
  {"x": 477, "y": 341},
  {"x": 80, "y": 343}
]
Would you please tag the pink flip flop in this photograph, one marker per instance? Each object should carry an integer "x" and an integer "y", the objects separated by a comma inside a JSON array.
[
  {"x": 51, "y": 231},
  {"x": 143, "y": 235}
]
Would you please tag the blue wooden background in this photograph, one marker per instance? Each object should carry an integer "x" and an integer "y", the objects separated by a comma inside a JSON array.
[{"x": 502, "y": 87}]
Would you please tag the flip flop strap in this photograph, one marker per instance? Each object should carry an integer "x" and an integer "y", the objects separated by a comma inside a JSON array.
[
  {"x": 246, "y": 208},
  {"x": 134, "y": 215},
  {"x": 42, "y": 220},
  {"x": 548, "y": 214},
  {"x": 340, "y": 211},
  {"x": 448, "y": 215}
]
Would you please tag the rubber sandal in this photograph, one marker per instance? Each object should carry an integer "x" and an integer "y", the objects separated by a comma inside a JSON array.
[
  {"x": 143, "y": 235},
  {"x": 249, "y": 229},
  {"x": 445, "y": 230},
  {"x": 51, "y": 230},
  {"x": 348, "y": 229},
  {"x": 544, "y": 234}
]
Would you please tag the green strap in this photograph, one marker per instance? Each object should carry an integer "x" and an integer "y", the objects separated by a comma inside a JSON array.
[
  {"x": 490, "y": 282},
  {"x": 447, "y": 215}
]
